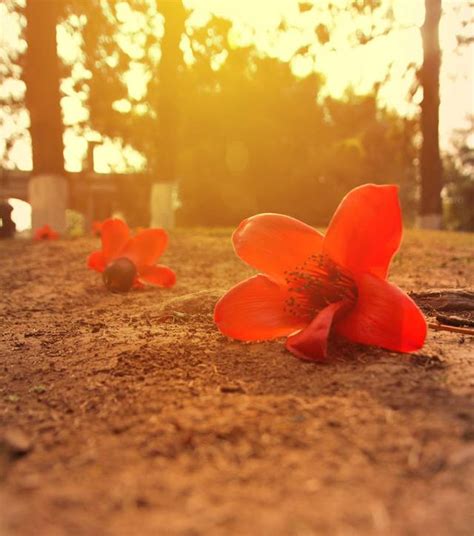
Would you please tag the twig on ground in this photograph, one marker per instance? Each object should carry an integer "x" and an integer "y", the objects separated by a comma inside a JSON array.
[{"x": 454, "y": 329}]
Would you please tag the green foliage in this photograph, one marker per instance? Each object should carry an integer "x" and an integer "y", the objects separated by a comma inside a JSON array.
[
  {"x": 75, "y": 223},
  {"x": 252, "y": 136},
  {"x": 257, "y": 139}
]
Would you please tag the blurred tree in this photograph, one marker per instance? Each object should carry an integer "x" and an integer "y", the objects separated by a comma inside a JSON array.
[
  {"x": 257, "y": 139},
  {"x": 460, "y": 181},
  {"x": 253, "y": 137},
  {"x": 164, "y": 176},
  {"x": 430, "y": 159},
  {"x": 42, "y": 86},
  {"x": 13, "y": 119},
  {"x": 166, "y": 100}
]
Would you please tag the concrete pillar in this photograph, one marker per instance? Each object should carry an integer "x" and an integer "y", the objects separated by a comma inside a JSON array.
[
  {"x": 48, "y": 196},
  {"x": 162, "y": 205}
]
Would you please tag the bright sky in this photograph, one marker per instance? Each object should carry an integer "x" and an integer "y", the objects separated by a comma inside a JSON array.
[
  {"x": 363, "y": 65},
  {"x": 342, "y": 64}
]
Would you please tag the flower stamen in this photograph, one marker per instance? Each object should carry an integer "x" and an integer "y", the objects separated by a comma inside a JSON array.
[{"x": 315, "y": 284}]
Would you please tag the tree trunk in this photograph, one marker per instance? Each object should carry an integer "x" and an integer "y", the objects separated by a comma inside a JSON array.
[
  {"x": 164, "y": 169},
  {"x": 430, "y": 160},
  {"x": 42, "y": 87}
]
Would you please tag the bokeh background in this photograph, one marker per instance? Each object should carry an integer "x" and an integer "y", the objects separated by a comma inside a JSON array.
[{"x": 244, "y": 106}]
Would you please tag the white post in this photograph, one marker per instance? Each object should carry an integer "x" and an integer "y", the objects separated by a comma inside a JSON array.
[
  {"x": 162, "y": 205},
  {"x": 48, "y": 196}
]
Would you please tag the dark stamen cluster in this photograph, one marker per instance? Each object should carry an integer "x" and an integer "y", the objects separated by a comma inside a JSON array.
[{"x": 317, "y": 283}]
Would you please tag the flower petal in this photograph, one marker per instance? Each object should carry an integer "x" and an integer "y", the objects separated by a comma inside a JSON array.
[
  {"x": 96, "y": 261},
  {"x": 311, "y": 342},
  {"x": 146, "y": 247},
  {"x": 45, "y": 233},
  {"x": 160, "y": 276},
  {"x": 255, "y": 310},
  {"x": 366, "y": 230},
  {"x": 114, "y": 236},
  {"x": 384, "y": 316},
  {"x": 274, "y": 243},
  {"x": 137, "y": 284}
]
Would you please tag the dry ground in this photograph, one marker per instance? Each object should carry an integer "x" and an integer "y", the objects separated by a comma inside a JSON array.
[{"x": 138, "y": 418}]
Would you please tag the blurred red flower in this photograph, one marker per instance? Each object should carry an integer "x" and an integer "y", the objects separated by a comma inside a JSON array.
[
  {"x": 126, "y": 261},
  {"x": 312, "y": 284},
  {"x": 45, "y": 233}
]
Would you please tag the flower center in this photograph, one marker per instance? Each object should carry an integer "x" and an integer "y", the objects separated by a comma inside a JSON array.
[{"x": 315, "y": 284}]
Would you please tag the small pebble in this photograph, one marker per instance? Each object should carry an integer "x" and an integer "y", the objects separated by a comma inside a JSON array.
[
  {"x": 231, "y": 389},
  {"x": 15, "y": 442}
]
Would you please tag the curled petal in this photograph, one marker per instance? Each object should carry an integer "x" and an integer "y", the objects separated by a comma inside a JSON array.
[
  {"x": 274, "y": 243},
  {"x": 384, "y": 316},
  {"x": 114, "y": 236},
  {"x": 146, "y": 247},
  {"x": 96, "y": 261},
  {"x": 255, "y": 310},
  {"x": 160, "y": 276},
  {"x": 366, "y": 230},
  {"x": 311, "y": 342}
]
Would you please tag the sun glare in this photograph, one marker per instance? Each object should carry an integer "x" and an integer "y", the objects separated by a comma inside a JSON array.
[{"x": 21, "y": 214}]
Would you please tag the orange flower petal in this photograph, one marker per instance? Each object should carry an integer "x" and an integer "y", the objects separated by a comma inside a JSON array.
[
  {"x": 160, "y": 276},
  {"x": 114, "y": 236},
  {"x": 97, "y": 227},
  {"x": 146, "y": 247},
  {"x": 255, "y": 310},
  {"x": 137, "y": 284},
  {"x": 96, "y": 261},
  {"x": 274, "y": 243},
  {"x": 384, "y": 316},
  {"x": 366, "y": 230},
  {"x": 311, "y": 342}
]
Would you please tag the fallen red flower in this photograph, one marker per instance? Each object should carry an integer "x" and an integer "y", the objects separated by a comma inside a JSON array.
[
  {"x": 313, "y": 284},
  {"x": 126, "y": 261},
  {"x": 45, "y": 233}
]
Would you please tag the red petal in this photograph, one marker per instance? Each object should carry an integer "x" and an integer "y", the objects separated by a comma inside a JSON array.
[
  {"x": 255, "y": 310},
  {"x": 97, "y": 227},
  {"x": 114, "y": 235},
  {"x": 311, "y": 342},
  {"x": 137, "y": 284},
  {"x": 273, "y": 243},
  {"x": 366, "y": 230},
  {"x": 146, "y": 247},
  {"x": 45, "y": 233},
  {"x": 96, "y": 261},
  {"x": 160, "y": 275},
  {"x": 384, "y": 316}
]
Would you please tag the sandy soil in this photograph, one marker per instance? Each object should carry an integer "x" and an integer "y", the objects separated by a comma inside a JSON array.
[{"x": 131, "y": 415}]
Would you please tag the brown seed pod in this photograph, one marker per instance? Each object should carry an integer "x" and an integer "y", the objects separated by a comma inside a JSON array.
[{"x": 119, "y": 275}]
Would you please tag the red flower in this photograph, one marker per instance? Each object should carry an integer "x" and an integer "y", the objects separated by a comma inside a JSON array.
[
  {"x": 313, "y": 283},
  {"x": 97, "y": 227},
  {"x": 45, "y": 233},
  {"x": 131, "y": 261}
]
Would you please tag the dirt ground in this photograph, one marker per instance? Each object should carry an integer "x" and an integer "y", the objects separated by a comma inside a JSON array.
[{"x": 131, "y": 415}]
